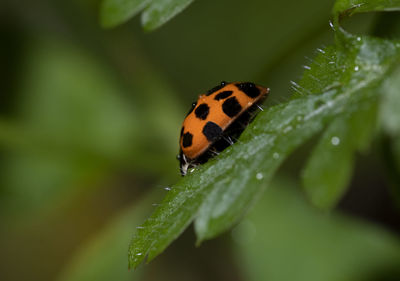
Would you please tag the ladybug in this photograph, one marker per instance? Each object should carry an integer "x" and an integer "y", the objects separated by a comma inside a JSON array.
[{"x": 216, "y": 120}]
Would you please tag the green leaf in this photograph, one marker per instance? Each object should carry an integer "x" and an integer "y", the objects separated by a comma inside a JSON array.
[
  {"x": 360, "y": 64},
  {"x": 115, "y": 12},
  {"x": 338, "y": 90},
  {"x": 219, "y": 192},
  {"x": 283, "y": 238},
  {"x": 330, "y": 166},
  {"x": 155, "y": 12},
  {"x": 161, "y": 11}
]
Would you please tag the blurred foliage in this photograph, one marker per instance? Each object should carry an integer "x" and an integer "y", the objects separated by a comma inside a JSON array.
[
  {"x": 155, "y": 14},
  {"x": 89, "y": 122},
  {"x": 64, "y": 88},
  {"x": 283, "y": 230},
  {"x": 104, "y": 257}
]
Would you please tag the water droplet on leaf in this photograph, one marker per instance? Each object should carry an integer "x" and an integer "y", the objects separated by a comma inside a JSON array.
[{"x": 335, "y": 141}]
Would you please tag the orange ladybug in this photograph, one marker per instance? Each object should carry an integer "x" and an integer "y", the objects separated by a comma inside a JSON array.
[{"x": 216, "y": 120}]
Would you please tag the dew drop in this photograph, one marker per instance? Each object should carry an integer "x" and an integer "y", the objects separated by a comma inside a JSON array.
[
  {"x": 335, "y": 141},
  {"x": 139, "y": 254},
  {"x": 139, "y": 227},
  {"x": 259, "y": 176},
  {"x": 191, "y": 170},
  {"x": 356, "y": 68},
  {"x": 359, "y": 39},
  {"x": 275, "y": 155},
  {"x": 167, "y": 188}
]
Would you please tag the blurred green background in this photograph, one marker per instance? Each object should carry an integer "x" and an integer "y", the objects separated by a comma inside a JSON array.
[{"x": 89, "y": 124}]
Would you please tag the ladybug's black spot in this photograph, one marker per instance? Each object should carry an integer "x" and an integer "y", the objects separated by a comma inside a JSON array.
[
  {"x": 249, "y": 89},
  {"x": 212, "y": 131},
  {"x": 231, "y": 107},
  {"x": 202, "y": 111},
  {"x": 187, "y": 140},
  {"x": 182, "y": 131},
  {"x": 223, "y": 95},
  {"x": 216, "y": 88},
  {"x": 191, "y": 109}
]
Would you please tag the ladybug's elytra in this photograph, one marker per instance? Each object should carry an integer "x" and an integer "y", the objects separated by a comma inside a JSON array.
[{"x": 216, "y": 120}]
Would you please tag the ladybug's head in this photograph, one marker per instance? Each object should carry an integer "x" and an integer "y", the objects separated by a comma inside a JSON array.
[{"x": 184, "y": 163}]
